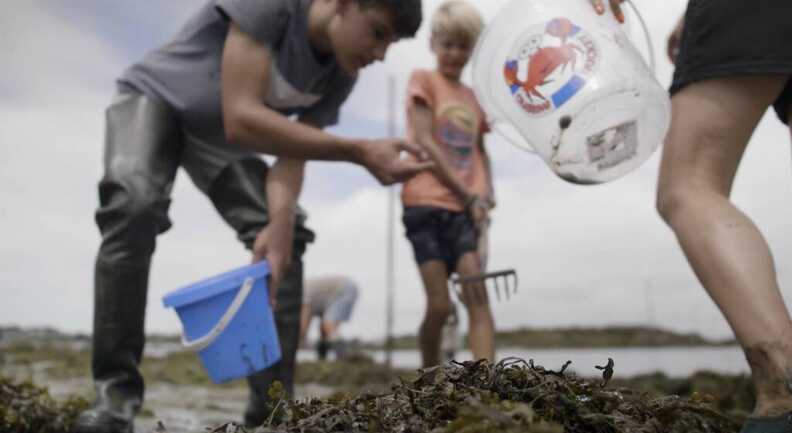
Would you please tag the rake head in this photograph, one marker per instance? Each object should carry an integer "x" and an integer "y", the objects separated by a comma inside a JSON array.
[{"x": 499, "y": 281}]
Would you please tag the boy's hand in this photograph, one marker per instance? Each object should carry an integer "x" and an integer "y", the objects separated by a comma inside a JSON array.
[
  {"x": 673, "y": 40},
  {"x": 383, "y": 160},
  {"x": 479, "y": 215},
  {"x": 479, "y": 211},
  {"x": 599, "y": 6},
  {"x": 490, "y": 202},
  {"x": 274, "y": 243}
]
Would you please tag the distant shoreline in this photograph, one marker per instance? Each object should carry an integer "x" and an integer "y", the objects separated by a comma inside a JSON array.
[
  {"x": 581, "y": 337},
  {"x": 529, "y": 338}
]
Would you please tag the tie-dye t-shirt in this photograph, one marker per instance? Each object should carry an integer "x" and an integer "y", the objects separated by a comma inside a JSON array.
[{"x": 458, "y": 123}]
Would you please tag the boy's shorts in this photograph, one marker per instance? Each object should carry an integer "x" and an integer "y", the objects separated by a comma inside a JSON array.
[
  {"x": 340, "y": 309},
  {"x": 439, "y": 234},
  {"x": 736, "y": 38}
]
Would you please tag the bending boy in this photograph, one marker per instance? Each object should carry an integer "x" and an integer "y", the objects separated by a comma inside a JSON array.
[
  {"x": 206, "y": 101},
  {"x": 331, "y": 299}
]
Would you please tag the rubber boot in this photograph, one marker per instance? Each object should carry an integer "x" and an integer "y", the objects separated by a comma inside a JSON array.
[
  {"x": 118, "y": 338},
  {"x": 322, "y": 347},
  {"x": 287, "y": 320}
]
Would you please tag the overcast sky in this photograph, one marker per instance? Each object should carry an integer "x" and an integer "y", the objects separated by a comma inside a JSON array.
[{"x": 596, "y": 255}]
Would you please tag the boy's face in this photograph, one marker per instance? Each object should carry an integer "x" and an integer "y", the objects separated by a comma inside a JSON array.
[
  {"x": 453, "y": 53},
  {"x": 360, "y": 36}
]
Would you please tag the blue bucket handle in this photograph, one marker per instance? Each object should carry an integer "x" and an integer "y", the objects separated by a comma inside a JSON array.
[{"x": 203, "y": 342}]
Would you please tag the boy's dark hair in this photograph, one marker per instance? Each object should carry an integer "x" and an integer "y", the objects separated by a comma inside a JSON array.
[{"x": 406, "y": 14}]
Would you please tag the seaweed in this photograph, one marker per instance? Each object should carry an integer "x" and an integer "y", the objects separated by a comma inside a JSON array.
[
  {"x": 512, "y": 395},
  {"x": 27, "y": 408},
  {"x": 509, "y": 396}
]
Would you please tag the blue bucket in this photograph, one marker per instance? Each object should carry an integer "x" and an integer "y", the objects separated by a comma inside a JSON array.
[{"x": 227, "y": 319}]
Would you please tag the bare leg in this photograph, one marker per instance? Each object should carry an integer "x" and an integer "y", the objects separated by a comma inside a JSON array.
[
  {"x": 438, "y": 307},
  {"x": 305, "y": 320},
  {"x": 483, "y": 243},
  {"x": 711, "y": 124},
  {"x": 481, "y": 326},
  {"x": 329, "y": 329}
]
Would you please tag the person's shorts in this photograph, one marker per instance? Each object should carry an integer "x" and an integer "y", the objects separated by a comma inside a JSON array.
[
  {"x": 439, "y": 234},
  {"x": 340, "y": 308},
  {"x": 736, "y": 38}
]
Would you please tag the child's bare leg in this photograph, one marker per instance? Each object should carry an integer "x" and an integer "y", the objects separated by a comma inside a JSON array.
[
  {"x": 329, "y": 329},
  {"x": 481, "y": 326},
  {"x": 711, "y": 124},
  {"x": 438, "y": 307}
]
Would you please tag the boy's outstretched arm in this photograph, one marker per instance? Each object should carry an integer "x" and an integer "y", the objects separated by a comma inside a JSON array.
[
  {"x": 305, "y": 320},
  {"x": 421, "y": 118},
  {"x": 488, "y": 171},
  {"x": 251, "y": 124},
  {"x": 274, "y": 242}
]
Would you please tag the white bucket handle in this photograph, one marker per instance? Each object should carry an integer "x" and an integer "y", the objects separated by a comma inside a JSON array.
[
  {"x": 500, "y": 128},
  {"x": 203, "y": 342},
  {"x": 647, "y": 36},
  {"x": 497, "y": 125}
]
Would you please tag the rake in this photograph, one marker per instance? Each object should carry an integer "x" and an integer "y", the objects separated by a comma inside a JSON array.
[{"x": 505, "y": 281}]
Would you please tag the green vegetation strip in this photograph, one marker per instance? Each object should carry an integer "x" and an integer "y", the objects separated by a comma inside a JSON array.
[{"x": 549, "y": 338}]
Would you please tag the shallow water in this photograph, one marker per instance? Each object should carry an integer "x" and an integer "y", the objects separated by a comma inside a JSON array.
[{"x": 672, "y": 361}]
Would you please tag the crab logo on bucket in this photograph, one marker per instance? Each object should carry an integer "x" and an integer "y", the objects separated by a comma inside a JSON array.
[{"x": 549, "y": 65}]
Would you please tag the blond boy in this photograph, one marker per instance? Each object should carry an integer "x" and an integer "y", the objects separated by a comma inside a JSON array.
[{"x": 443, "y": 208}]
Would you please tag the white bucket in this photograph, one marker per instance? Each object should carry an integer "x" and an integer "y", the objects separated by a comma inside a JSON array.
[{"x": 573, "y": 85}]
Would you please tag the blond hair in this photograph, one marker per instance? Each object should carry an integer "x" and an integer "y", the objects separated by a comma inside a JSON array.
[{"x": 457, "y": 18}]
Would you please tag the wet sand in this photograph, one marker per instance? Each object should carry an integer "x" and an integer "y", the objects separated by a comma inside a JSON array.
[{"x": 181, "y": 407}]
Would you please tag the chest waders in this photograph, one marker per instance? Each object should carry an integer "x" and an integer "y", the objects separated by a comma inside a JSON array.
[{"x": 144, "y": 147}]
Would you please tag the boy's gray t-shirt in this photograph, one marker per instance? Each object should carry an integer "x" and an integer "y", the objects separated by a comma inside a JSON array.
[{"x": 185, "y": 73}]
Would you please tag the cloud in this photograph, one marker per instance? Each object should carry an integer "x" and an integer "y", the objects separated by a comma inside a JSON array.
[
  {"x": 60, "y": 64},
  {"x": 130, "y": 28}
]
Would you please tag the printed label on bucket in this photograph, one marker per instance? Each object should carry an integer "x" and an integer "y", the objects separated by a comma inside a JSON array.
[
  {"x": 613, "y": 146},
  {"x": 550, "y": 64}
]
